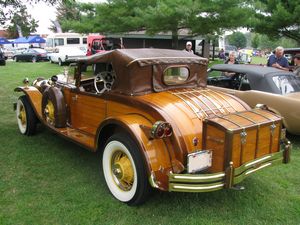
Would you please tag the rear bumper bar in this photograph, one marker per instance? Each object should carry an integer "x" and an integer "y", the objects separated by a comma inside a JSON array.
[{"x": 230, "y": 177}]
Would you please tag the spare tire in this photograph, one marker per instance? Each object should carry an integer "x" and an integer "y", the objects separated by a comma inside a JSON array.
[{"x": 54, "y": 107}]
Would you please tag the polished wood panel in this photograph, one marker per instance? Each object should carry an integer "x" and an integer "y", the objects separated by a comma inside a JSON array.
[
  {"x": 86, "y": 112},
  {"x": 215, "y": 141},
  {"x": 250, "y": 135}
]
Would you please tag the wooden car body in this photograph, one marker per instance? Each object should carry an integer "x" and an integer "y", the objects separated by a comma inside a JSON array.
[{"x": 219, "y": 131}]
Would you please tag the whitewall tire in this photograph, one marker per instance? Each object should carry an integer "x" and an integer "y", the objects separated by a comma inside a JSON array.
[
  {"x": 26, "y": 117},
  {"x": 124, "y": 170}
]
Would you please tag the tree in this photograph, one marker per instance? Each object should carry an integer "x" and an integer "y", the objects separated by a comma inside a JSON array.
[
  {"x": 255, "y": 41},
  {"x": 209, "y": 17},
  {"x": 22, "y": 21},
  {"x": 277, "y": 18},
  {"x": 238, "y": 39},
  {"x": 67, "y": 10}
]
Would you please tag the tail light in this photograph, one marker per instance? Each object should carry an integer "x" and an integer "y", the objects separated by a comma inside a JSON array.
[{"x": 161, "y": 129}]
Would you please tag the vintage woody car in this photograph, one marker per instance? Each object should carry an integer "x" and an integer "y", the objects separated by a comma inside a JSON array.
[{"x": 158, "y": 126}]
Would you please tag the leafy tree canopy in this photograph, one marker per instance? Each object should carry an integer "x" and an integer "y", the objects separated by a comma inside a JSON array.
[
  {"x": 238, "y": 39},
  {"x": 22, "y": 21},
  {"x": 277, "y": 18},
  {"x": 209, "y": 17},
  {"x": 14, "y": 14}
]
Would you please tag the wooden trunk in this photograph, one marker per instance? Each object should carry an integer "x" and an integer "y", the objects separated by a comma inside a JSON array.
[{"x": 241, "y": 137}]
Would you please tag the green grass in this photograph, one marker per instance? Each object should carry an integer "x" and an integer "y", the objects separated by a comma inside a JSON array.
[
  {"x": 45, "y": 179},
  {"x": 259, "y": 60}
]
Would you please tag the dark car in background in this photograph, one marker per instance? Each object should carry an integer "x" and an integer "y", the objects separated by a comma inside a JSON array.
[
  {"x": 290, "y": 53},
  {"x": 31, "y": 55}
]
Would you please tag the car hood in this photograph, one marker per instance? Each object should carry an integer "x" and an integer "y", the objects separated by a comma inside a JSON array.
[{"x": 295, "y": 95}]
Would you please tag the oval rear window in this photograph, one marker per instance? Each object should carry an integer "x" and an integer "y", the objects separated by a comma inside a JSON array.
[{"x": 175, "y": 75}]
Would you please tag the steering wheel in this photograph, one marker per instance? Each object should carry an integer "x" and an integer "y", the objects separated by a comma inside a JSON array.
[
  {"x": 236, "y": 81},
  {"x": 107, "y": 78}
]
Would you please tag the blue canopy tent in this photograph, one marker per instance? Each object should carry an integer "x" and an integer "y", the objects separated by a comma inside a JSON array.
[
  {"x": 21, "y": 40},
  {"x": 4, "y": 41},
  {"x": 35, "y": 39}
]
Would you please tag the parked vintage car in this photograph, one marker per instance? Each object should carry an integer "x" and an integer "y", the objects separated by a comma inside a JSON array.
[
  {"x": 278, "y": 89},
  {"x": 156, "y": 123},
  {"x": 31, "y": 55},
  {"x": 65, "y": 55}
]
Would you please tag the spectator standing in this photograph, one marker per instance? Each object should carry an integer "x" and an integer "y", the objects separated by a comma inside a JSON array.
[
  {"x": 222, "y": 54},
  {"x": 297, "y": 64},
  {"x": 278, "y": 60},
  {"x": 188, "y": 47},
  {"x": 249, "y": 59},
  {"x": 231, "y": 59}
]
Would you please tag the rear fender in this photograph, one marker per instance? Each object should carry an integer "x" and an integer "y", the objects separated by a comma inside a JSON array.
[{"x": 155, "y": 151}]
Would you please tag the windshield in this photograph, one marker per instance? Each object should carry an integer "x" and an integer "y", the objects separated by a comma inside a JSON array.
[{"x": 287, "y": 84}]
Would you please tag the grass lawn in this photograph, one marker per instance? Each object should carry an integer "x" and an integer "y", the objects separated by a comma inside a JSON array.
[{"x": 45, "y": 179}]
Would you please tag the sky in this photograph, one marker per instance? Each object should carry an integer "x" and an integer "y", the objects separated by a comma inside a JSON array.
[{"x": 44, "y": 13}]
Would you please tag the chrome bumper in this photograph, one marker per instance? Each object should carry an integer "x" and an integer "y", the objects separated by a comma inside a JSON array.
[{"x": 230, "y": 177}]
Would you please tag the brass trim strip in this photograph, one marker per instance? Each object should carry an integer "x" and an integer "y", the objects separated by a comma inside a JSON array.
[
  {"x": 258, "y": 168},
  {"x": 257, "y": 161},
  {"x": 242, "y": 153},
  {"x": 197, "y": 188},
  {"x": 225, "y": 118},
  {"x": 218, "y": 106},
  {"x": 221, "y": 96},
  {"x": 271, "y": 142},
  {"x": 151, "y": 58},
  {"x": 257, "y": 141},
  {"x": 203, "y": 102},
  {"x": 189, "y": 104},
  {"x": 197, "y": 97},
  {"x": 198, "y": 177},
  {"x": 218, "y": 100},
  {"x": 264, "y": 159},
  {"x": 256, "y": 112},
  {"x": 245, "y": 117}
]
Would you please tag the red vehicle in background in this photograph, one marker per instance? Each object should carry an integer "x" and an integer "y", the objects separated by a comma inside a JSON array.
[{"x": 99, "y": 43}]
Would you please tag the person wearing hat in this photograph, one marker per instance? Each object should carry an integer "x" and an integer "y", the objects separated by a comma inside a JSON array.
[
  {"x": 188, "y": 47},
  {"x": 297, "y": 64}
]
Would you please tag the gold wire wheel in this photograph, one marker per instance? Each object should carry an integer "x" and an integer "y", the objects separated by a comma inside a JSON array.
[
  {"x": 49, "y": 112},
  {"x": 22, "y": 115},
  {"x": 122, "y": 170}
]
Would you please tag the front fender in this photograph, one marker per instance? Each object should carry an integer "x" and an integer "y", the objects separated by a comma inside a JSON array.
[
  {"x": 155, "y": 151},
  {"x": 35, "y": 98}
]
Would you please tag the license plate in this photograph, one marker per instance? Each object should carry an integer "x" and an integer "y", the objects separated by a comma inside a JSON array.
[{"x": 198, "y": 161}]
